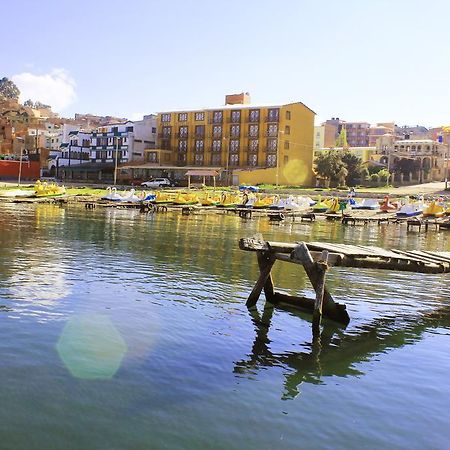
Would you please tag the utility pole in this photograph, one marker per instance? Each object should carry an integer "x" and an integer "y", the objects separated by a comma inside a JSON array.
[{"x": 115, "y": 163}]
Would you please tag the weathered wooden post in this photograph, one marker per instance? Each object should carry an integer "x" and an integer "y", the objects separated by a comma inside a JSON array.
[
  {"x": 322, "y": 267},
  {"x": 266, "y": 261}
]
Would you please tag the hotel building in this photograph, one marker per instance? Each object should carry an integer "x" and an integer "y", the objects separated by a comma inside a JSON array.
[{"x": 249, "y": 144}]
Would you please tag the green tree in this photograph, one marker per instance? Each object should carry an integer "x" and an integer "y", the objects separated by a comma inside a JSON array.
[
  {"x": 329, "y": 164},
  {"x": 353, "y": 165},
  {"x": 341, "y": 140},
  {"x": 8, "y": 89}
]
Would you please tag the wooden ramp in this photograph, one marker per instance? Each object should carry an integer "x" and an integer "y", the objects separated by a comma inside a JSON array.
[{"x": 317, "y": 257}]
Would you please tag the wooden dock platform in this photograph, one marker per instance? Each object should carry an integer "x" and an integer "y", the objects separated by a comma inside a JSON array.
[{"x": 317, "y": 257}]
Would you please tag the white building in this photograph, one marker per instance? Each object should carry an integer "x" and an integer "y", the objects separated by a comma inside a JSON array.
[{"x": 125, "y": 141}]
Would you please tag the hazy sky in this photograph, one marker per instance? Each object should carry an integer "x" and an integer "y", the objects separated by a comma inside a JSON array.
[{"x": 368, "y": 60}]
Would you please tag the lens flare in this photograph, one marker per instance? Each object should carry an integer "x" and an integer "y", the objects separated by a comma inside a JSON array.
[{"x": 91, "y": 347}]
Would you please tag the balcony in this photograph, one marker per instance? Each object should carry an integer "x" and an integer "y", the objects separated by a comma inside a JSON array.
[{"x": 273, "y": 134}]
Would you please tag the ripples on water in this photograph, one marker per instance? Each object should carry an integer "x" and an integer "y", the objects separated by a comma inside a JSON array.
[{"x": 130, "y": 331}]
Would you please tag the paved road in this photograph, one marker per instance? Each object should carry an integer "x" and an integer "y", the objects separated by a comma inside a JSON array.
[{"x": 426, "y": 189}]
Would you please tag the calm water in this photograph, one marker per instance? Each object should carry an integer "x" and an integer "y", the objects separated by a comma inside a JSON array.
[{"x": 125, "y": 331}]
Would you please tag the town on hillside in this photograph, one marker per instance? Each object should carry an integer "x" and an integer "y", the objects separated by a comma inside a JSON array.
[{"x": 237, "y": 142}]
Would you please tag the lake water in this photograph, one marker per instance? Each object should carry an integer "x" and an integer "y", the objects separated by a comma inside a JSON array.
[{"x": 129, "y": 331}]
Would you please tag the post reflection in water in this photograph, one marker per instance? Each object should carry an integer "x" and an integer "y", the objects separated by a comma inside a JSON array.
[{"x": 332, "y": 352}]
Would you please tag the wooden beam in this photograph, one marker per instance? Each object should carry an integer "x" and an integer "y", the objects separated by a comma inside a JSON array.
[{"x": 265, "y": 263}]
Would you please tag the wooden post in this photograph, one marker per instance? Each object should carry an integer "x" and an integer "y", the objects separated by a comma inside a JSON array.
[
  {"x": 330, "y": 308},
  {"x": 322, "y": 266},
  {"x": 265, "y": 262}
]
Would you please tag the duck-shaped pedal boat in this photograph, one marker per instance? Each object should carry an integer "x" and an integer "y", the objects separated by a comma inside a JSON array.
[
  {"x": 434, "y": 209},
  {"x": 48, "y": 190}
]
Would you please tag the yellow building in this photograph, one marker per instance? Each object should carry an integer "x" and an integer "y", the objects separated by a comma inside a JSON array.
[{"x": 249, "y": 144}]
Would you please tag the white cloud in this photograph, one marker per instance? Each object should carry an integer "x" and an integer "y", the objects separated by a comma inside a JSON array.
[{"x": 56, "y": 88}]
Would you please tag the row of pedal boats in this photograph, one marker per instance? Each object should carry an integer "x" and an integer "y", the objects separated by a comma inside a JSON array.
[{"x": 403, "y": 208}]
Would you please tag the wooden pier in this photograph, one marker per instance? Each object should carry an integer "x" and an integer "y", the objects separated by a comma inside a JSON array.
[{"x": 318, "y": 257}]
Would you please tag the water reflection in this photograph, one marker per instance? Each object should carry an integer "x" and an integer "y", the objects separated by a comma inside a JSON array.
[{"x": 333, "y": 352}]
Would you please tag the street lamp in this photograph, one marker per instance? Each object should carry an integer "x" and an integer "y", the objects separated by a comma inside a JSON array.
[
  {"x": 446, "y": 165},
  {"x": 227, "y": 178},
  {"x": 20, "y": 160},
  {"x": 115, "y": 162}
]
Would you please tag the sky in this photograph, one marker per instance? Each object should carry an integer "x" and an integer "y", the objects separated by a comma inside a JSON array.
[{"x": 360, "y": 60}]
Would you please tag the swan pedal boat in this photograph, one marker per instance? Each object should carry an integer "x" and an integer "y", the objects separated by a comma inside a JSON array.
[{"x": 366, "y": 204}]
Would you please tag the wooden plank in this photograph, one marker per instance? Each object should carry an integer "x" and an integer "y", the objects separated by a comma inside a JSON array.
[
  {"x": 265, "y": 268},
  {"x": 417, "y": 257},
  {"x": 347, "y": 250},
  {"x": 334, "y": 259},
  {"x": 331, "y": 309}
]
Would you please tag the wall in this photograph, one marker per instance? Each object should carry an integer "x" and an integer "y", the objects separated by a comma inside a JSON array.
[{"x": 10, "y": 170}]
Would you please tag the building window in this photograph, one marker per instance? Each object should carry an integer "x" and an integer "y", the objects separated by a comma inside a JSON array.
[
  {"x": 199, "y": 145},
  {"x": 215, "y": 159},
  {"x": 271, "y": 145},
  {"x": 253, "y": 160},
  {"x": 153, "y": 157},
  {"x": 182, "y": 146},
  {"x": 166, "y": 132},
  {"x": 234, "y": 146},
  {"x": 165, "y": 117},
  {"x": 199, "y": 116},
  {"x": 273, "y": 115},
  {"x": 130, "y": 129},
  {"x": 153, "y": 129},
  {"x": 286, "y": 159},
  {"x": 253, "y": 145},
  {"x": 217, "y": 131},
  {"x": 200, "y": 130},
  {"x": 235, "y": 131},
  {"x": 182, "y": 157},
  {"x": 253, "y": 130},
  {"x": 287, "y": 129},
  {"x": 286, "y": 145},
  {"x": 198, "y": 159},
  {"x": 234, "y": 160},
  {"x": 288, "y": 115},
  {"x": 271, "y": 160},
  {"x": 272, "y": 130},
  {"x": 183, "y": 132},
  {"x": 182, "y": 117},
  {"x": 235, "y": 116},
  {"x": 254, "y": 115},
  {"x": 216, "y": 145},
  {"x": 217, "y": 117}
]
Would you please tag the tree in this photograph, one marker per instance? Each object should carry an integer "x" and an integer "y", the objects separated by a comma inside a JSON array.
[
  {"x": 353, "y": 164},
  {"x": 8, "y": 89},
  {"x": 28, "y": 103},
  {"x": 341, "y": 140},
  {"x": 328, "y": 165}
]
